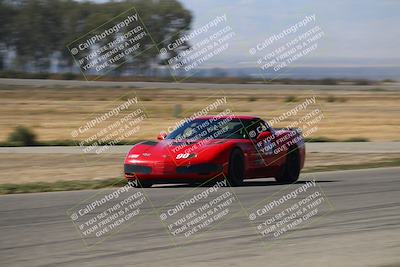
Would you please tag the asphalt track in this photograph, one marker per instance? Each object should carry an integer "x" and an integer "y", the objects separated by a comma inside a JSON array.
[
  {"x": 183, "y": 85},
  {"x": 359, "y": 227}
]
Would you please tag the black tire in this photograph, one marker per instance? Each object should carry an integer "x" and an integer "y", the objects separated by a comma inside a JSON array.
[
  {"x": 236, "y": 168},
  {"x": 291, "y": 169}
]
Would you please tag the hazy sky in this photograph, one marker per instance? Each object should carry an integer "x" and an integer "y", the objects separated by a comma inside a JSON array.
[
  {"x": 357, "y": 32},
  {"x": 364, "y": 29}
]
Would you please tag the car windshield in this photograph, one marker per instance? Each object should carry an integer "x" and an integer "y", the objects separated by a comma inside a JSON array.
[{"x": 226, "y": 128}]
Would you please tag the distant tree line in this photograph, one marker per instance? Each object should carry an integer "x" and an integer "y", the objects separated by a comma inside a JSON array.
[{"x": 34, "y": 33}]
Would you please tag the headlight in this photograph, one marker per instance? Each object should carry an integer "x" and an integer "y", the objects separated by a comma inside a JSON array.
[
  {"x": 133, "y": 156},
  {"x": 186, "y": 156}
]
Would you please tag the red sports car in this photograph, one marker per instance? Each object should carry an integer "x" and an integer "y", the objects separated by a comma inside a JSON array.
[{"x": 216, "y": 148}]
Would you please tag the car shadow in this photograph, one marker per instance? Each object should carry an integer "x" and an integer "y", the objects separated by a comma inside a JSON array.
[
  {"x": 273, "y": 183},
  {"x": 246, "y": 183}
]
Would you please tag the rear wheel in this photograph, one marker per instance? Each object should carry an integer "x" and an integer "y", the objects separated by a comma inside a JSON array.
[
  {"x": 291, "y": 169},
  {"x": 236, "y": 168}
]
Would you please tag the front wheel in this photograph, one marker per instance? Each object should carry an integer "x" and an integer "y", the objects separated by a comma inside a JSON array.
[
  {"x": 236, "y": 168},
  {"x": 291, "y": 169}
]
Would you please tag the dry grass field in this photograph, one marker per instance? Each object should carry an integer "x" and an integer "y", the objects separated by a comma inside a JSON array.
[{"x": 52, "y": 113}]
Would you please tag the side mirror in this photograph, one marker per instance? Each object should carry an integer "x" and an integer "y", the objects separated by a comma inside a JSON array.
[
  {"x": 263, "y": 135},
  {"x": 161, "y": 136}
]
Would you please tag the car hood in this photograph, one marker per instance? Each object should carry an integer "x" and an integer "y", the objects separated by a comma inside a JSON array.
[{"x": 172, "y": 148}]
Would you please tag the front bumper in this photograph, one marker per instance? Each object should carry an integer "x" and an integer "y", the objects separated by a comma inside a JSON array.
[{"x": 161, "y": 172}]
